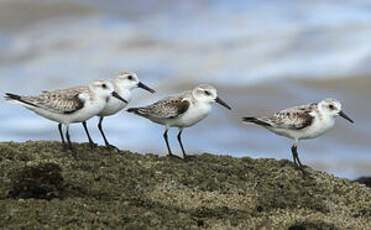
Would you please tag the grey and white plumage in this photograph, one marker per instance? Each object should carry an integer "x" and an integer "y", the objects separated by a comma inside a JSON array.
[
  {"x": 182, "y": 110},
  {"x": 123, "y": 84},
  {"x": 302, "y": 122},
  {"x": 71, "y": 105},
  {"x": 167, "y": 108},
  {"x": 294, "y": 118}
]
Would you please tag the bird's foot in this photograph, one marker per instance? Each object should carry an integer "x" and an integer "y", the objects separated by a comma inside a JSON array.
[
  {"x": 112, "y": 147},
  {"x": 65, "y": 148},
  {"x": 188, "y": 157},
  {"x": 175, "y": 156},
  {"x": 301, "y": 168},
  {"x": 74, "y": 154},
  {"x": 93, "y": 145}
]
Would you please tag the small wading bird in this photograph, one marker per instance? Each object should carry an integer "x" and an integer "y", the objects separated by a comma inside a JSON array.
[
  {"x": 66, "y": 106},
  {"x": 123, "y": 84},
  {"x": 183, "y": 110},
  {"x": 302, "y": 122}
]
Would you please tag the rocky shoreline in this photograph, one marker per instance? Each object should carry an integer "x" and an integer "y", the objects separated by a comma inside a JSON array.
[{"x": 42, "y": 187}]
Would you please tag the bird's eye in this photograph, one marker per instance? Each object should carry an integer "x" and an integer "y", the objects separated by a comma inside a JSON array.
[
  {"x": 130, "y": 77},
  {"x": 331, "y": 107},
  {"x": 104, "y": 86},
  {"x": 207, "y": 93}
]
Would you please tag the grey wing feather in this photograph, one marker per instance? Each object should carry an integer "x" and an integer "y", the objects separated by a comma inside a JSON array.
[
  {"x": 67, "y": 102},
  {"x": 295, "y": 118},
  {"x": 170, "y": 107}
]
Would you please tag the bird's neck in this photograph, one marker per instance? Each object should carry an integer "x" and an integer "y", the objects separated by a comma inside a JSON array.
[
  {"x": 205, "y": 107},
  {"x": 124, "y": 92},
  {"x": 325, "y": 118}
]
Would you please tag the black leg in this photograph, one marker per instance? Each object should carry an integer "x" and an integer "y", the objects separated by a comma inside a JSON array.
[
  {"x": 69, "y": 142},
  {"x": 167, "y": 143},
  {"x": 293, "y": 149},
  {"x": 91, "y": 142},
  {"x": 180, "y": 143},
  {"x": 104, "y": 136},
  {"x": 297, "y": 162},
  {"x": 62, "y": 137},
  {"x": 101, "y": 131},
  {"x": 168, "y": 146},
  {"x": 65, "y": 147},
  {"x": 61, "y": 132},
  {"x": 300, "y": 164}
]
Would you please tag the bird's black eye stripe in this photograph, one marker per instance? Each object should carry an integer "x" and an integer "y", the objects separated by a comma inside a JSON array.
[
  {"x": 207, "y": 93},
  {"x": 130, "y": 77},
  {"x": 104, "y": 86},
  {"x": 331, "y": 107}
]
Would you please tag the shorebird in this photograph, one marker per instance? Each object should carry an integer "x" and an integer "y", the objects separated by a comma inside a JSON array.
[
  {"x": 71, "y": 105},
  {"x": 302, "y": 122},
  {"x": 123, "y": 84},
  {"x": 181, "y": 111}
]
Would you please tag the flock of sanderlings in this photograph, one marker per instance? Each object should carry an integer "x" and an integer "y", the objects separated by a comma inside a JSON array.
[{"x": 104, "y": 98}]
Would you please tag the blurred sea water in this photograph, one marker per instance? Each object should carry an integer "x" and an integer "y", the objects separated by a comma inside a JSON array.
[{"x": 262, "y": 56}]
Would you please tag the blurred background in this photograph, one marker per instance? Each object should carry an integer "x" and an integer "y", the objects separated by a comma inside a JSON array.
[{"x": 262, "y": 55}]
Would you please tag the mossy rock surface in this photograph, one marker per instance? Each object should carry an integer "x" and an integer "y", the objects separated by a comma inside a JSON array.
[
  {"x": 110, "y": 190},
  {"x": 41, "y": 181}
]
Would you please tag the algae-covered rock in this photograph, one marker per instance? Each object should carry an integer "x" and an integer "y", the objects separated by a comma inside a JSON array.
[
  {"x": 364, "y": 180},
  {"x": 42, "y": 181},
  {"x": 110, "y": 190}
]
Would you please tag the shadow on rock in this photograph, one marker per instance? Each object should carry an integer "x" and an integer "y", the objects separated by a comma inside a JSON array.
[
  {"x": 42, "y": 181},
  {"x": 364, "y": 180}
]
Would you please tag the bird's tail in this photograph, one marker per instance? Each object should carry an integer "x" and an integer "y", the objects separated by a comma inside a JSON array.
[
  {"x": 132, "y": 110},
  {"x": 255, "y": 121},
  {"x": 13, "y": 98},
  {"x": 135, "y": 110},
  {"x": 141, "y": 111}
]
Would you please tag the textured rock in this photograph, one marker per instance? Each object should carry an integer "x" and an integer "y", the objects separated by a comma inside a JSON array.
[
  {"x": 364, "y": 180},
  {"x": 111, "y": 190}
]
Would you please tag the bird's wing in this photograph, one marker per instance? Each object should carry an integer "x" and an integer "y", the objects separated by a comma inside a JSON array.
[
  {"x": 58, "y": 101},
  {"x": 167, "y": 108},
  {"x": 75, "y": 89},
  {"x": 295, "y": 118}
]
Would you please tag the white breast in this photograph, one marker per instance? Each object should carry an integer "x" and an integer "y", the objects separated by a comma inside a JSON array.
[
  {"x": 195, "y": 113},
  {"x": 114, "y": 105},
  {"x": 319, "y": 127},
  {"x": 90, "y": 109}
]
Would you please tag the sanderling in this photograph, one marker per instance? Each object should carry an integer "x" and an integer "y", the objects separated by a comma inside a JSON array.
[
  {"x": 183, "y": 110},
  {"x": 302, "y": 122},
  {"x": 67, "y": 106},
  {"x": 123, "y": 83}
]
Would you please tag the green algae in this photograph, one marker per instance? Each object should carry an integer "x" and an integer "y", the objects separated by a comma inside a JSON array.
[{"x": 109, "y": 190}]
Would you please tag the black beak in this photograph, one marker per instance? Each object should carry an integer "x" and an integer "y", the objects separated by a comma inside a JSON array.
[
  {"x": 345, "y": 116},
  {"x": 143, "y": 86},
  {"x": 220, "y": 101},
  {"x": 114, "y": 94}
]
